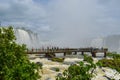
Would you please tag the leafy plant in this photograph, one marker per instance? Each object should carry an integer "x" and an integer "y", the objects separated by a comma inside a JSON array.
[
  {"x": 112, "y": 63},
  {"x": 58, "y": 59},
  {"x": 14, "y": 63},
  {"x": 77, "y": 72},
  {"x": 39, "y": 64},
  {"x": 113, "y": 55},
  {"x": 57, "y": 69},
  {"x": 87, "y": 58}
]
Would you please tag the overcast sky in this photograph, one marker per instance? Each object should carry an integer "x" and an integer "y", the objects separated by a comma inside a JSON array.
[{"x": 63, "y": 22}]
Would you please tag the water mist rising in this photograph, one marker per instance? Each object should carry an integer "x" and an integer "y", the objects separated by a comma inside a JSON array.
[{"x": 27, "y": 37}]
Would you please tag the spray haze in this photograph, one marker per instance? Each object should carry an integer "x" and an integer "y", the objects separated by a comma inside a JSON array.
[
  {"x": 64, "y": 22},
  {"x": 77, "y": 20}
]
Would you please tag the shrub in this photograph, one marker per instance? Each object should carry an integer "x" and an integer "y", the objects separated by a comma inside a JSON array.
[
  {"x": 58, "y": 59},
  {"x": 113, "y": 55},
  {"x": 57, "y": 69},
  {"x": 39, "y": 64},
  {"x": 77, "y": 72},
  {"x": 14, "y": 63},
  {"x": 112, "y": 63},
  {"x": 109, "y": 54},
  {"x": 87, "y": 58}
]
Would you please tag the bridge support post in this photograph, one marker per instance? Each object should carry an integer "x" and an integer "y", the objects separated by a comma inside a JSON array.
[
  {"x": 105, "y": 54},
  {"x": 50, "y": 55},
  {"x": 46, "y": 55},
  {"x": 64, "y": 53},
  {"x": 93, "y": 54},
  {"x": 75, "y": 53},
  {"x": 53, "y": 54},
  {"x": 82, "y": 53}
]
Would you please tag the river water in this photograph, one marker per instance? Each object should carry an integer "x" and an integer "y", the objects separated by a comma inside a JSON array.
[{"x": 49, "y": 74}]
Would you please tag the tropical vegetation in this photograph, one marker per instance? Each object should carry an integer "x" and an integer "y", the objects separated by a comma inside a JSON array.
[
  {"x": 14, "y": 63},
  {"x": 113, "y": 63},
  {"x": 80, "y": 71}
]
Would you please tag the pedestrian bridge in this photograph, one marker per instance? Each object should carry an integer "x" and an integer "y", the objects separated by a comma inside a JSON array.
[{"x": 51, "y": 52}]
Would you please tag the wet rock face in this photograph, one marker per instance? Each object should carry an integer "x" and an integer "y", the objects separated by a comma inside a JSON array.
[
  {"x": 55, "y": 69},
  {"x": 48, "y": 79},
  {"x": 59, "y": 74},
  {"x": 39, "y": 63},
  {"x": 105, "y": 73},
  {"x": 111, "y": 73},
  {"x": 69, "y": 63}
]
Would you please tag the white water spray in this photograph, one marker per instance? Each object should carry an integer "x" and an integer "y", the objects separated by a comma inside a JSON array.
[{"x": 27, "y": 37}]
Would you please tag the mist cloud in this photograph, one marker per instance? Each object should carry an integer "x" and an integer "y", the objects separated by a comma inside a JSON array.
[
  {"x": 63, "y": 22},
  {"x": 79, "y": 19}
]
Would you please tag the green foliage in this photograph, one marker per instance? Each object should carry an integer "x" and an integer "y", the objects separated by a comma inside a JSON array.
[
  {"x": 112, "y": 63},
  {"x": 89, "y": 59},
  {"x": 58, "y": 59},
  {"x": 116, "y": 56},
  {"x": 39, "y": 64},
  {"x": 77, "y": 72},
  {"x": 14, "y": 63},
  {"x": 57, "y": 69},
  {"x": 113, "y": 55},
  {"x": 109, "y": 54}
]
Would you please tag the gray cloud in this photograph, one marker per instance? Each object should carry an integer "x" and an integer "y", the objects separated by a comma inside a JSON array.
[
  {"x": 64, "y": 22},
  {"x": 78, "y": 19}
]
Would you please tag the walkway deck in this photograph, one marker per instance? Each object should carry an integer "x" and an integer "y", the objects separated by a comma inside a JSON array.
[{"x": 52, "y": 52}]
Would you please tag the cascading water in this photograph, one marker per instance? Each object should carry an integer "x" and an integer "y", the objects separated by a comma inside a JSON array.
[
  {"x": 27, "y": 37},
  {"x": 98, "y": 42},
  {"x": 111, "y": 42}
]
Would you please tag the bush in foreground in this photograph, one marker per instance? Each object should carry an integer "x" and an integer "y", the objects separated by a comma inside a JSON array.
[
  {"x": 77, "y": 72},
  {"x": 88, "y": 59},
  {"x": 14, "y": 63},
  {"x": 112, "y": 63}
]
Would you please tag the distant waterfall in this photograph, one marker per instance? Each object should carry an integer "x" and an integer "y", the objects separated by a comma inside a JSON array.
[
  {"x": 98, "y": 42},
  {"x": 27, "y": 37},
  {"x": 112, "y": 42}
]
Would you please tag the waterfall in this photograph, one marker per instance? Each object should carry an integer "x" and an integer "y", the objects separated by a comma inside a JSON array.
[
  {"x": 98, "y": 42},
  {"x": 30, "y": 39},
  {"x": 112, "y": 42}
]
